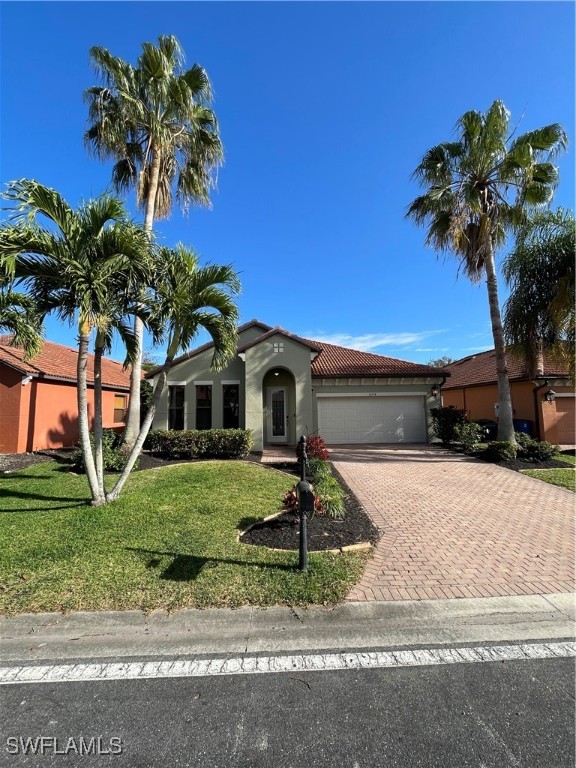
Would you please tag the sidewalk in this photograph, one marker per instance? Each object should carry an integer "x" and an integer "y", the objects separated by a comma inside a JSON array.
[{"x": 381, "y": 625}]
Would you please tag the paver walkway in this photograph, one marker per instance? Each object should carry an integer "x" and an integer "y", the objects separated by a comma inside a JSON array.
[{"x": 453, "y": 526}]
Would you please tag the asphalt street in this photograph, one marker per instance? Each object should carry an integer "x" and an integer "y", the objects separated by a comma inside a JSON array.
[
  {"x": 486, "y": 715},
  {"x": 364, "y": 686}
]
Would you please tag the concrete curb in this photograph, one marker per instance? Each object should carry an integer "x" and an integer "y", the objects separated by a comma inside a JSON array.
[{"x": 110, "y": 634}]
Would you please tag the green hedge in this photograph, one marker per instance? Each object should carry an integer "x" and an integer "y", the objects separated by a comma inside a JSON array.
[
  {"x": 200, "y": 443},
  {"x": 500, "y": 450}
]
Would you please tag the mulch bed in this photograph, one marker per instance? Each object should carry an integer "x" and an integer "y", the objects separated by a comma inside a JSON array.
[
  {"x": 519, "y": 464},
  {"x": 324, "y": 532}
]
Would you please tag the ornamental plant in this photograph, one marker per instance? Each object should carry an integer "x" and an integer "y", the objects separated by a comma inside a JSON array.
[{"x": 315, "y": 448}]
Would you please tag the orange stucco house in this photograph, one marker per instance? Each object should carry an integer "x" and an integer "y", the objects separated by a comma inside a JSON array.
[
  {"x": 472, "y": 387},
  {"x": 38, "y": 407}
]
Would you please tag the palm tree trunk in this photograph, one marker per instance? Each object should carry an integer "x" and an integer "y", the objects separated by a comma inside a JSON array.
[
  {"x": 98, "y": 352},
  {"x": 135, "y": 452},
  {"x": 83, "y": 425},
  {"x": 133, "y": 417},
  {"x": 505, "y": 415}
]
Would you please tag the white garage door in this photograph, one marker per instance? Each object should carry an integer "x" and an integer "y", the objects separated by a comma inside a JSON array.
[{"x": 372, "y": 419}]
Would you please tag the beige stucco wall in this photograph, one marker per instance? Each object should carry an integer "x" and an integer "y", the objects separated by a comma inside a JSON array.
[
  {"x": 254, "y": 375},
  {"x": 294, "y": 364},
  {"x": 195, "y": 370}
]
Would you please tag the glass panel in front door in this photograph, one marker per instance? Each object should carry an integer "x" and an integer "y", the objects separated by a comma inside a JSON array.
[{"x": 278, "y": 417}]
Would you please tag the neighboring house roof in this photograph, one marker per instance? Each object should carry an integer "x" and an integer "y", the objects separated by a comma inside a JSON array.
[
  {"x": 56, "y": 361},
  {"x": 331, "y": 361},
  {"x": 481, "y": 369}
]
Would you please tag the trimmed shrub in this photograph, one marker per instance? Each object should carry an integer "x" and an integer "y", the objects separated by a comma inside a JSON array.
[
  {"x": 200, "y": 443},
  {"x": 500, "y": 450},
  {"x": 468, "y": 434},
  {"x": 315, "y": 448},
  {"x": 445, "y": 421},
  {"x": 114, "y": 458},
  {"x": 524, "y": 442},
  {"x": 534, "y": 450}
]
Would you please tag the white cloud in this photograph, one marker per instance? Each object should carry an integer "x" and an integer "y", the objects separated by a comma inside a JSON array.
[
  {"x": 431, "y": 349},
  {"x": 370, "y": 341}
]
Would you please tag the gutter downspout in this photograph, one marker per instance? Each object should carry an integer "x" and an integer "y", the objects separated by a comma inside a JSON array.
[{"x": 537, "y": 407}]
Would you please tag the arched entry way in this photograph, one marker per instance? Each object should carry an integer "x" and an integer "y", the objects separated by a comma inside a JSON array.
[{"x": 279, "y": 407}]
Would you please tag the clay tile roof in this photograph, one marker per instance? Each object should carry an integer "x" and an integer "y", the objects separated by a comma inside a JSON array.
[
  {"x": 59, "y": 362},
  {"x": 332, "y": 361},
  {"x": 481, "y": 369},
  {"x": 340, "y": 361}
]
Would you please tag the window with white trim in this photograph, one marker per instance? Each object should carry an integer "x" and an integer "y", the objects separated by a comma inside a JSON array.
[
  {"x": 203, "y": 406},
  {"x": 278, "y": 346},
  {"x": 176, "y": 407}
]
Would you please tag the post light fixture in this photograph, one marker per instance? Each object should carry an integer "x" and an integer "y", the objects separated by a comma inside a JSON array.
[
  {"x": 435, "y": 390},
  {"x": 550, "y": 396}
]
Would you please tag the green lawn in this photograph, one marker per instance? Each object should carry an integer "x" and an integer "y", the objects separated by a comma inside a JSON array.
[
  {"x": 566, "y": 478},
  {"x": 170, "y": 541}
]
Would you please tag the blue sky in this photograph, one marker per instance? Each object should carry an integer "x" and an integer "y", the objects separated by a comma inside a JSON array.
[{"x": 325, "y": 110}]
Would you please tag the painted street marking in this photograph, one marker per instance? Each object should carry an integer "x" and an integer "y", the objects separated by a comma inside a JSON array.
[{"x": 255, "y": 665}]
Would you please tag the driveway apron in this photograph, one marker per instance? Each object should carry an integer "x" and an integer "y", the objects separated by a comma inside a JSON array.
[{"x": 453, "y": 526}]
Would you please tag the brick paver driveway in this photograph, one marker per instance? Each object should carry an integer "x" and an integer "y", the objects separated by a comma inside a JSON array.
[{"x": 457, "y": 527}]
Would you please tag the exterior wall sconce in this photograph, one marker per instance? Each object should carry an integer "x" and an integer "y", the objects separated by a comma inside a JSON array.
[
  {"x": 550, "y": 396},
  {"x": 435, "y": 390}
]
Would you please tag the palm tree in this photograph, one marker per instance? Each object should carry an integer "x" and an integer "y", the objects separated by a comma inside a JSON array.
[
  {"x": 188, "y": 298},
  {"x": 477, "y": 188},
  {"x": 155, "y": 121},
  {"x": 84, "y": 266},
  {"x": 19, "y": 317},
  {"x": 539, "y": 313}
]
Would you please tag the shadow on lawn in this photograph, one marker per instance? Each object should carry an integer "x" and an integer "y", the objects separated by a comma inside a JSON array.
[
  {"x": 188, "y": 567},
  {"x": 40, "y": 497}
]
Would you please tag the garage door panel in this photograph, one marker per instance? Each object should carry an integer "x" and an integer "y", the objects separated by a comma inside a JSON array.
[
  {"x": 372, "y": 419},
  {"x": 566, "y": 423}
]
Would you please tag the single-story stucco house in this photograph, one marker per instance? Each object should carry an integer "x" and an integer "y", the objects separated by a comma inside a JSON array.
[
  {"x": 282, "y": 386},
  {"x": 38, "y": 407},
  {"x": 472, "y": 387}
]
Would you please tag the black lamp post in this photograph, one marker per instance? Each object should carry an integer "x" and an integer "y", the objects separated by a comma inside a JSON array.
[{"x": 305, "y": 494}]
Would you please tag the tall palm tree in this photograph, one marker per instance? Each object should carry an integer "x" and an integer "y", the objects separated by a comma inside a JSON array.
[
  {"x": 188, "y": 298},
  {"x": 477, "y": 188},
  {"x": 540, "y": 312},
  {"x": 84, "y": 266},
  {"x": 155, "y": 121}
]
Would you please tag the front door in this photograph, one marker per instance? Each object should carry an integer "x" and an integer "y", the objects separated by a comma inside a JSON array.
[{"x": 277, "y": 416}]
